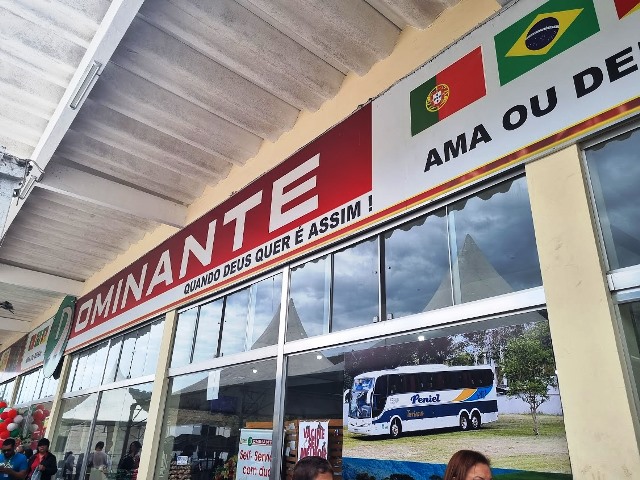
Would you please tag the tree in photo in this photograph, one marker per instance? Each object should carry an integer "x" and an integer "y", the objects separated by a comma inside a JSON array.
[{"x": 529, "y": 367}]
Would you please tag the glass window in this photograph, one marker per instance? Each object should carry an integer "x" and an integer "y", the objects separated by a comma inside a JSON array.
[
  {"x": 183, "y": 343},
  {"x": 121, "y": 420},
  {"x": 309, "y": 307},
  {"x": 205, "y": 415},
  {"x": 264, "y": 312},
  {"x": 630, "y": 316},
  {"x": 73, "y": 431},
  {"x": 431, "y": 386},
  {"x": 234, "y": 328},
  {"x": 241, "y": 321},
  {"x": 417, "y": 266},
  {"x": 111, "y": 367},
  {"x": 614, "y": 171},
  {"x": 6, "y": 391},
  {"x": 355, "y": 286},
  {"x": 208, "y": 334},
  {"x": 492, "y": 243}
]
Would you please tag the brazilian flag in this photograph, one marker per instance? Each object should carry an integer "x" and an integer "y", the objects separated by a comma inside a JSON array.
[{"x": 546, "y": 32}]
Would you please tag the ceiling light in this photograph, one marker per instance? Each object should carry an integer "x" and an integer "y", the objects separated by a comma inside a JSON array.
[{"x": 86, "y": 85}]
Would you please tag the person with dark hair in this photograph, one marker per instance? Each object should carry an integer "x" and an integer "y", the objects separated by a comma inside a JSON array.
[
  {"x": 313, "y": 468},
  {"x": 12, "y": 464},
  {"x": 28, "y": 453},
  {"x": 128, "y": 465},
  {"x": 468, "y": 465},
  {"x": 67, "y": 465},
  {"x": 43, "y": 464},
  {"x": 98, "y": 463}
]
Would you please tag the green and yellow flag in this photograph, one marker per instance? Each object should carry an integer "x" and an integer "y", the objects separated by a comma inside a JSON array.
[{"x": 546, "y": 32}]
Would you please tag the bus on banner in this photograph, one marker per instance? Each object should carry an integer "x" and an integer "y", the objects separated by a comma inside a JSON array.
[{"x": 422, "y": 397}]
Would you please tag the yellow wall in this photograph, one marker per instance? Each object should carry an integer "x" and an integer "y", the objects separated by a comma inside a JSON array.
[{"x": 597, "y": 412}]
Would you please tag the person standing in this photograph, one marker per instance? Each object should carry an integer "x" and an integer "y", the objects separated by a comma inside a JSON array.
[
  {"x": 12, "y": 465},
  {"x": 98, "y": 462},
  {"x": 43, "y": 464},
  {"x": 128, "y": 465}
]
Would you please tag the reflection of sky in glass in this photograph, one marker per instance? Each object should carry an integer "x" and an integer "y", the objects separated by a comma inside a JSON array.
[
  {"x": 615, "y": 174},
  {"x": 206, "y": 346},
  {"x": 499, "y": 222},
  {"x": 310, "y": 294},
  {"x": 77, "y": 414},
  {"x": 235, "y": 323},
  {"x": 112, "y": 360},
  {"x": 153, "y": 348},
  {"x": 416, "y": 263},
  {"x": 266, "y": 304},
  {"x": 355, "y": 287},
  {"x": 184, "y": 337},
  {"x": 140, "y": 351}
]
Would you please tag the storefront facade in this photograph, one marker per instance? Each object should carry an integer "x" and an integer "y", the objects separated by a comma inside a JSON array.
[{"x": 453, "y": 265}]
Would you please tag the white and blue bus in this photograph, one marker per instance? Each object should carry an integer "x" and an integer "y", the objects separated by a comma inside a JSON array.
[{"x": 422, "y": 397}]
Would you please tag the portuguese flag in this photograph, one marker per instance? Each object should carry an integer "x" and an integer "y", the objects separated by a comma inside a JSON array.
[
  {"x": 546, "y": 32},
  {"x": 625, "y": 7},
  {"x": 451, "y": 90}
]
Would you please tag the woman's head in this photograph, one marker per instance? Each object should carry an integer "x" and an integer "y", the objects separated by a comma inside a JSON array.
[
  {"x": 468, "y": 465},
  {"x": 313, "y": 468},
  {"x": 135, "y": 447}
]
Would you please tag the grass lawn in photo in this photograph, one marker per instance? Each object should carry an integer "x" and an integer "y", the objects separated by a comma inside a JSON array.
[{"x": 509, "y": 443}]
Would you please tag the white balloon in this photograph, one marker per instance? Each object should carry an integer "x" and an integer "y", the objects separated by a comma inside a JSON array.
[
  {"x": 18, "y": 418},
  {"x": 33, "y": 427},
  {"x": 11, "y": 427}
]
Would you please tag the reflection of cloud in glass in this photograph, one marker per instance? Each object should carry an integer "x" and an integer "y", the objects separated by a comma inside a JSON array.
[
  {"x": 184, "y": 337},
  {"x": 615, "y": 173},
  {"x": 499, "y": 222},
  {"x": 416, "y": 260},
  {"x": 310, "y": 294},
  {"x": 355, "y": 288}
]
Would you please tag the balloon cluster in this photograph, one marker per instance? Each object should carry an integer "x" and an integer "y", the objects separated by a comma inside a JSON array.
[{"x": 25, "y": 427}]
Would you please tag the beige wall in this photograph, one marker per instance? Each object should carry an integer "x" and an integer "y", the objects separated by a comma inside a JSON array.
[{"x": 597, "y": 412}]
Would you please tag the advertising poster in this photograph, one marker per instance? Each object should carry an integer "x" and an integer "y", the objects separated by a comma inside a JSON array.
[
  {"x": 254, "y": 454},
  {"x": 36, "y": 345},
  {"x": 410, "y": 406},
  {"x": 313, "y": 439}
]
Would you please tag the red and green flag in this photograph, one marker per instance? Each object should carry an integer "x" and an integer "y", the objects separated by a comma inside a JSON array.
[
  {"x": 625, "y": 7},
  {"x": 546, "y": 32},
  {"x": 449, "y": 91}
]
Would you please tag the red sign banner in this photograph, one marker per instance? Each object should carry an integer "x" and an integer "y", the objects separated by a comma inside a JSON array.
[{"x": 256, "y": 225}]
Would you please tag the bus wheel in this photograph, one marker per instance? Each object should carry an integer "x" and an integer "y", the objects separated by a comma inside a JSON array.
[
  {"x": 396, "y": 429},
  {"x": 464, "y": 422},
  {"x": 475, "y": 421}
]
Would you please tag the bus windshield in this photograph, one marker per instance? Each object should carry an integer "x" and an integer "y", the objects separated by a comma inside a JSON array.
[{"x": 358, "y": 405}]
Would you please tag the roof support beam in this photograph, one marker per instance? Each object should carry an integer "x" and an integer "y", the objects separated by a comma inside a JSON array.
[
  {"x": 113, "y": 27},
  {"x": 107, "y": 193},
  {"x": 11, "y": 324},
  {"x": 22, "y": 277}
]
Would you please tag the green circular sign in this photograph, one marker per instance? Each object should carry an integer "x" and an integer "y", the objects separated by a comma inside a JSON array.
[{"x": 58, "y": 335}]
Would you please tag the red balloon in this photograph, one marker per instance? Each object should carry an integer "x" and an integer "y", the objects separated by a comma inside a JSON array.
[
  {"x": 34, "y": 445},
  {"x": 3, "y": 404},
  {"x": 4, "y": 435},
  {"x": 46, "y": 413},
  {"x": 3, "y": 427},
  {"x": 40, "y": 406},
  {"x": 37, "y": 416},
  {"x": 12, "y": 413},
  {"x": 4, "y": 415}
]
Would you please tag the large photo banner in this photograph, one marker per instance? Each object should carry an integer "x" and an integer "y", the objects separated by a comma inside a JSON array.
[
  {"x": 538, "y": 76},
  {"x": 410, "y": 405}
]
